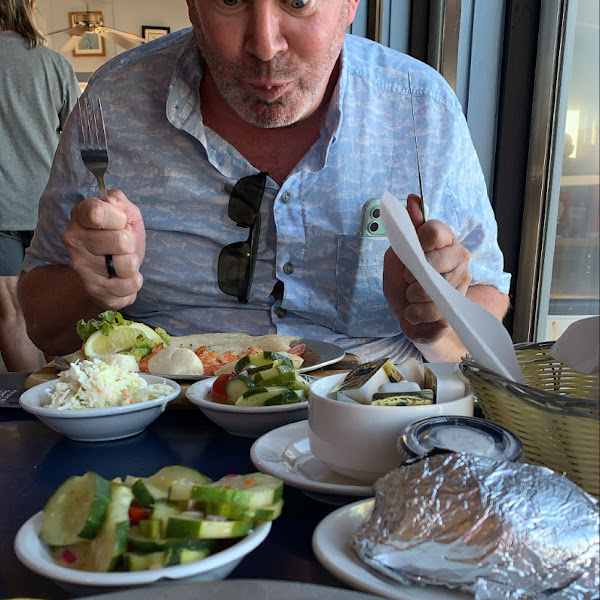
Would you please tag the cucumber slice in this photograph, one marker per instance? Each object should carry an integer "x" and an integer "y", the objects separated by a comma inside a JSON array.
[
  {"x": 151, "y": 528},
  {"x": 76, "y": 510},
  {"x": 187, "y": 527},
  {"x": 163, "y": 511},
  {"x": 182, "y": 556},
  {"x": 254, "y": 489},
  {"x": 164, "y": 478},
  {"x": 263, "y": 396},
  {"x": 111, "y": 542},
  {"x": 275, "y": 376},
  {"x": 268, "y": 513},
  {"x": 239, "y": 512},
  {"x": 259, "y": 359},
  {"x": 290, "y": 397},
  {"x": 136, "y": 561},
  {"x": 140, "y": 543},
  {"x": 146, "y": 493},
  {"x": 236, "y": 386},
  {"x": 299, "y": 383}
]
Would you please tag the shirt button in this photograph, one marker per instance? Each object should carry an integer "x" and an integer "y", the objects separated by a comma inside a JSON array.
[
  {"x": 286, "y": 197},
  {"x": 288, "y": 268},
  {"x": 281, "y": 312}
]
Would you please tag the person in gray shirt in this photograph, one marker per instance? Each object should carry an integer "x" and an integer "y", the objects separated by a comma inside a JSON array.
[{"x": 38, "y": 89}]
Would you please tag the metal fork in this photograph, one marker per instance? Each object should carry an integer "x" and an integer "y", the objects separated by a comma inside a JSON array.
[
  {"x": 92, "y": 141},
  {"x": 94, "y": 152}
]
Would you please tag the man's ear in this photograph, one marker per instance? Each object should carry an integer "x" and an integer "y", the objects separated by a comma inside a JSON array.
[{"x": 352, "y": 6}]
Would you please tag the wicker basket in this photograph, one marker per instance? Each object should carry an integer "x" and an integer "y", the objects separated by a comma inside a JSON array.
[{"x": 552, "y": 414}]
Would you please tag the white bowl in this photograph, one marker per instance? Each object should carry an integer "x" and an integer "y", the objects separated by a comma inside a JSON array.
[
  {"x": 34, "y": 554},
  {"x": 244, "y": 421},
  {"x": 358, "y": 440},
  {"x": 98, "y": 424}
]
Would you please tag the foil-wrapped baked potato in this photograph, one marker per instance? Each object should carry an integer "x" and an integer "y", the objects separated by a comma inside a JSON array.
[{"x": 498, "y": 529}]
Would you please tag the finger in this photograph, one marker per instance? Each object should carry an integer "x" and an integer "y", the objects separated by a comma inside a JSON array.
[
  {"x": 111, "y": 289},
  {"x": 459, "y": 278},
  {"x": 93, "y": 213},
  {"x": 98, "y": 242},
  {"x": 415, "y": 294},
  {"x": 434, "y": 235},
  {"x": 125, "y": 265},
  {"x": 424, "y": 312},
  {"x": 413, "y": 206}
]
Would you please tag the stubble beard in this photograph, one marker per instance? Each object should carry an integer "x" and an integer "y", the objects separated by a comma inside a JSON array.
[{"x": 294, "y": 105}]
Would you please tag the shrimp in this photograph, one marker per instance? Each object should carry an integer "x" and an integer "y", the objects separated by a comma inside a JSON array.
[
  {"x": 143, "y": 363},
  {"x": 298, "y": 349}
]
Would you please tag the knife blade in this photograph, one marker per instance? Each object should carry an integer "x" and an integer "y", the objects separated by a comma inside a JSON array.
[{"x": 412, "y": 109}]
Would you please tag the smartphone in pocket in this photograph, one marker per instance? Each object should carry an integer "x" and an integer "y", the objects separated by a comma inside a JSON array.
[{"x": 370, "y": 219}]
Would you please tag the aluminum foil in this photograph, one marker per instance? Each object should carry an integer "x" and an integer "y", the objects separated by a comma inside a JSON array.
[{"x": 498, "y": 529}]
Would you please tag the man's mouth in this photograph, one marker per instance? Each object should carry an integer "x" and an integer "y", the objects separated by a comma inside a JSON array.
[{"x": 269, "y": 90}]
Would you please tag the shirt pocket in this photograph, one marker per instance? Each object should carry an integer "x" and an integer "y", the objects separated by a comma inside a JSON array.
[{"x": 362, "y": 310}]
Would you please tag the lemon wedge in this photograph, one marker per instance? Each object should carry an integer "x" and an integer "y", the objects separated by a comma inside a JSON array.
[{"x": 121, "y": 338}]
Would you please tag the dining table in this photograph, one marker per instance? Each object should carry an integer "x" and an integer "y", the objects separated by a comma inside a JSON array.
[{"x": 35, "y": 460}]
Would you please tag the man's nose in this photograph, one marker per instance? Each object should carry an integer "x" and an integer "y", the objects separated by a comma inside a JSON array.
[{"x": 264, "y": 37}]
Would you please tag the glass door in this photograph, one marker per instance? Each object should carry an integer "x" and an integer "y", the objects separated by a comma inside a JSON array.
[
  {"x": 571, "y": 269},
  {"x": 558, "y": 279}
]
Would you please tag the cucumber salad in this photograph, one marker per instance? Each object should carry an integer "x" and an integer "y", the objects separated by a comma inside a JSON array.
[
  {"x": 261, "y": 379},
  {"x": 176, "y": 516}
]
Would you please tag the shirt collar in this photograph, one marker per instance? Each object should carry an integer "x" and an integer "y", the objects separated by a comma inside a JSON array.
[{"x": 183, "y": 99}]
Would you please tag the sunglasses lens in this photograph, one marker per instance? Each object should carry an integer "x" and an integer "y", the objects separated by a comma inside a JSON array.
[
  {"x": 245, "y": 200},
  {"x": 233, "y": 270}
]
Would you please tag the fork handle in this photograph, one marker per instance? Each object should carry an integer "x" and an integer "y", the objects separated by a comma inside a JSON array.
[{"x": 102, "y": 187}]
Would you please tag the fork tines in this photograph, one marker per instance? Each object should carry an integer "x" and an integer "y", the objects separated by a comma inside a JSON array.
[{"x": 92, "y": 133}]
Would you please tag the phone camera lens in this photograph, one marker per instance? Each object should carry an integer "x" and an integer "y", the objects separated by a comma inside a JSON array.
[
  {"x": 376, "y": 213},
  {"x": 373, "y": 227}
]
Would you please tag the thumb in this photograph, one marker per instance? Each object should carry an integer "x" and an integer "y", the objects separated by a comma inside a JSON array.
[{"x": 413, "y": 206}]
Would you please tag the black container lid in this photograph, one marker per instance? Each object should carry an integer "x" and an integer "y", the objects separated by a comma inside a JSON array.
[{"x": 419, "y": 437}]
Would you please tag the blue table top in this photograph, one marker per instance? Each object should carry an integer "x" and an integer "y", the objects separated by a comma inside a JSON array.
[{"x": 34, "y": 460}]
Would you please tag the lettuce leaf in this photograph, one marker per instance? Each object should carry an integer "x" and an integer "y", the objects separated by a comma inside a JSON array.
[{"x": 106, "y": 321}]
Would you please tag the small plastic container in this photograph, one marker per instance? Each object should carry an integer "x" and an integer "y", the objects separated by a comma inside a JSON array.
[{"x": 459, "y": 434}]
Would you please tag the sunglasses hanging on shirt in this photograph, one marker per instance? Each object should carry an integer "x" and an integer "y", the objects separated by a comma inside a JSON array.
[{"x": 235, "y": 269}]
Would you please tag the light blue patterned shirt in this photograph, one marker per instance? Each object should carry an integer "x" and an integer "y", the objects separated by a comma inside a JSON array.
[{"x": 180, "y": 173}]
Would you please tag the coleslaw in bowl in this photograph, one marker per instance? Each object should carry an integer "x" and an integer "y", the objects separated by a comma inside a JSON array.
[
  {"x": 106, "y": 412},
  {"x": 96, "y": 384}
]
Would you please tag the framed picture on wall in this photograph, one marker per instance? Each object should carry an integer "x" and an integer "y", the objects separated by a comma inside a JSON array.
[
  {"x": 151, "y": 32},
  {"x": 90, "y": 44}
]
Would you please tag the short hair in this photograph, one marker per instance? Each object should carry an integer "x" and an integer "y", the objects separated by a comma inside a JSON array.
[{"x": 18, "y": 16}]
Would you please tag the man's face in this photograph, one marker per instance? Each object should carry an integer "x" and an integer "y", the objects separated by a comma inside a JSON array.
[{"x": 271, "y": 59}]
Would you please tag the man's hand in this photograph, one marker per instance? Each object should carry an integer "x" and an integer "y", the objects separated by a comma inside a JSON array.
[
  {"x": 418, "y": 316},
  {"x": 98, "y": 228}
]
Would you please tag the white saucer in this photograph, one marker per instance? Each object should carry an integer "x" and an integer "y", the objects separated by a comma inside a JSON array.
[
  {"x": 332, "y": 545},
  {"x": 285, "y": 453}
]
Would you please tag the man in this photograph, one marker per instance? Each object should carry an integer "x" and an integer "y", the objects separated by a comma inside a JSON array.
[{"x": 195, "y": 121}]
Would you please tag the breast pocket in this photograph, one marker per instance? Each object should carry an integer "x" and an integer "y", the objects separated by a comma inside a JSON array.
[{"x": 362, "y": 310}]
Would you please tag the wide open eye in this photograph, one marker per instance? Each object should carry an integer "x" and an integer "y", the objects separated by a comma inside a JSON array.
[{"x": 298, "y": 3}]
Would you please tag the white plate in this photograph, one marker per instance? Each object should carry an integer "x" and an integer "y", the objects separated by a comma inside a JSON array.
[
  {"x": 285, "y": 453},
  {"x": 244, "y": 421},
  {"x": 34, "y": 554},
  {"x": 332, "y": 545},
  {"x": 238, "y": 589},
  {"x": 318, "y": 355}
]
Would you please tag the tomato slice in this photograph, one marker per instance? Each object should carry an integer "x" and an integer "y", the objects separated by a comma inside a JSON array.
[
  {"x": 218, "y": 387},
  {"x": 138, "y": 513}
]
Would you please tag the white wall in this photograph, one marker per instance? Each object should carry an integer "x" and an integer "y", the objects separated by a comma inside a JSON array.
[{"x": 127, "y": 15}]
